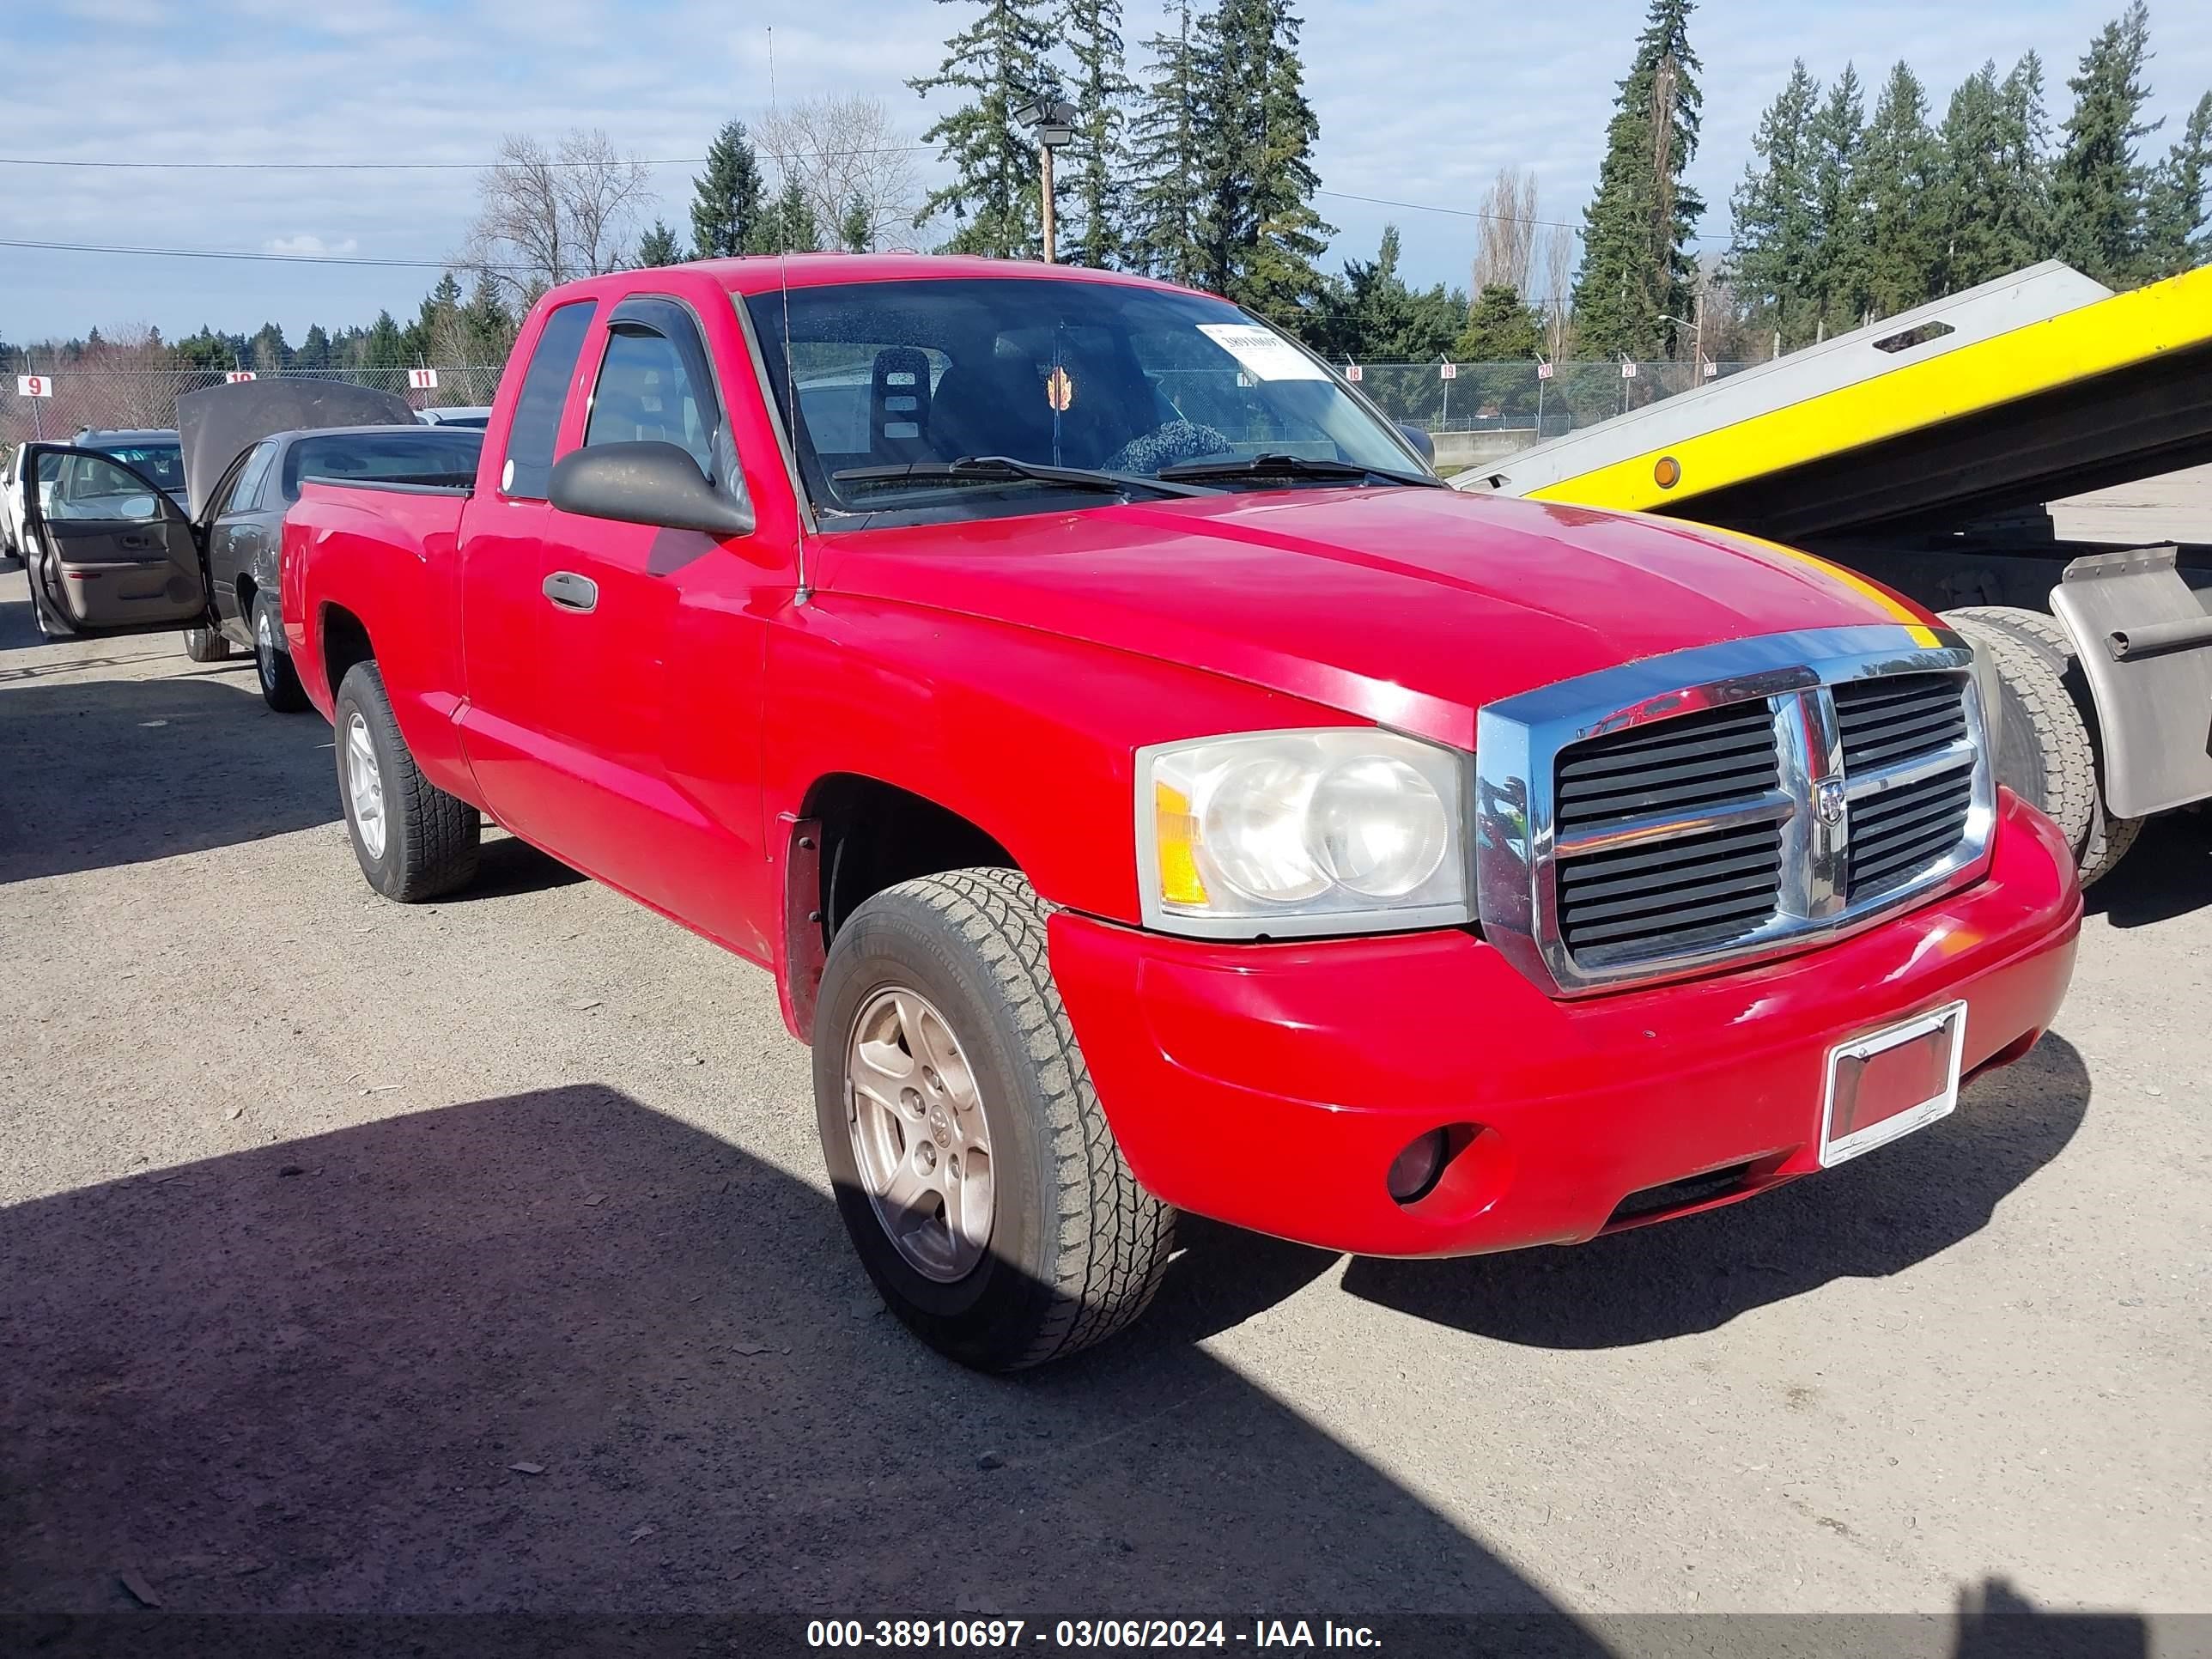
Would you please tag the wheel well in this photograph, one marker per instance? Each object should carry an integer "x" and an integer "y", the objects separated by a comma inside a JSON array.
[
  {"x": 874, "y": 835},
  {"x": 856, "y": 836},
  {"x": 345, "y": 642}
]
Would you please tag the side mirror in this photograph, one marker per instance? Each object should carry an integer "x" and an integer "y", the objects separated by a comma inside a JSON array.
[
  {"x": 1419, "y": 437},
  {"x": 652, "y": 482}
]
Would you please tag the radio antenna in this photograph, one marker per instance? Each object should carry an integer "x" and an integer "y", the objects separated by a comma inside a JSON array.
[{"x": 790, "y": 367}]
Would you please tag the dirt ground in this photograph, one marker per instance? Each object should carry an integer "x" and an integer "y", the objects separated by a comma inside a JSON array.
[{"x": 478, "y": 1257}]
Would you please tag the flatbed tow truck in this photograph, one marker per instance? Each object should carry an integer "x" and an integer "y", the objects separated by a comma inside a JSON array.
[{"x": 1923, "y": 452}]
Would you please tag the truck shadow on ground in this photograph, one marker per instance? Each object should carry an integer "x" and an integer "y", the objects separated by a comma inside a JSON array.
[
  {"x": 558, "y": 1351},
  {"x": 108, "y": 772},
  {"x": 2168, "y": 873},
  {"x": 1874, "y": 1216}
]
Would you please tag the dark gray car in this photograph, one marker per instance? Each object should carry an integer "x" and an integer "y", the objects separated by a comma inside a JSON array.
[{"x": 244, "y": 515}]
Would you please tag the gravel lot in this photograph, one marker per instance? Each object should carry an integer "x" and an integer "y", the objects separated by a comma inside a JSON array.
[{"x": 479, "y": 1256}]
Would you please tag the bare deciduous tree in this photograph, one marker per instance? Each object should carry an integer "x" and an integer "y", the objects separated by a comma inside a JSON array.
[
  {"x": 843, "y": 150},
  {"x": 1507, "y": 242},
  {"x": 135, "y": 386},
  {"x": 1557, "y": 289},
  {"x": 547, "y": 216}
]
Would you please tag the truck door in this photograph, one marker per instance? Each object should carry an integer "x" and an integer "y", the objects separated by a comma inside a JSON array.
[
  {"x": 503, "y": 563},
  {"x": 106, "y": 552},
  {"x": 628, "y": 612}
]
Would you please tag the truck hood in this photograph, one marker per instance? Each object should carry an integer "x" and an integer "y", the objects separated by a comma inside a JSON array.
[{"x": 1410, "y": 608}]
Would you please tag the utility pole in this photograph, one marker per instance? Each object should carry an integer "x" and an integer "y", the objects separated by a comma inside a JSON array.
[{"x": 1053, "y": 121}]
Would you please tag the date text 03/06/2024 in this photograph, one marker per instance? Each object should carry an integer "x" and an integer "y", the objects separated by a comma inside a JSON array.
[{"x": 1086, "y": 1633}]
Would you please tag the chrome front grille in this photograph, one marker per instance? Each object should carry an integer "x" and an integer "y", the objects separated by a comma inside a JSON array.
[
  {"x": 1899, "y": 721},
  {"x": 1728, "y": 802}
]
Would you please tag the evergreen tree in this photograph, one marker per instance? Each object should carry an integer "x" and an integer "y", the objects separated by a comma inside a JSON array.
[
  {"x": 490, "y": 327},
  {"x": 314, "y": 349},
  {"x": 385, "y": 346},
  {"x": 1773, "y": 255},
  {"x": 2177, "y": 232},
  {"x": 268, "y": 353},
  {"x": 1637, "y": 269},
  {"x": 2100, "y": 185},
  {"x": 1169, "y": 196},
  {"x": 1259, "y": 235},
  {"x": 432, "y": 337},
  {"x": 2024, "y": 161},
  {"x": 1899, "y": 165},
  {"x": 1371, "y": 314},
  {"x": 1992, "y": 198},
  {"x": 789, "y": 226},
  {"x": 856, "y": 231},
  {"x": 1838, "y": 283},
  {"x": 998, "y": 63},
  {"x": 1500, "y": 329},
  {"x": 727, "y": 198},
  {"x": 659, "y": 248},
  {"x": 1100, "y": 159}
]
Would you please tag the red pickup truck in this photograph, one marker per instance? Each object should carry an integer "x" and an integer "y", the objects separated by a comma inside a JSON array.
[{"x": 1151, "y": 790}]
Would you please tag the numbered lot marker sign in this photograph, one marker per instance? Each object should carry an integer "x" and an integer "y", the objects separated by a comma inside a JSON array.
[
  {"x": 34, "y": 385},
  {"x": 422, "y": 380}
]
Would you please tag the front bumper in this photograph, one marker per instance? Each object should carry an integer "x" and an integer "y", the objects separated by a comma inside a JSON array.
[{"x": 1272, "y": 1085}]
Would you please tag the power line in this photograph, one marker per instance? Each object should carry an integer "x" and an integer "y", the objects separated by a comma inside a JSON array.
[
  {"x": 273, "y": 259},
  {"x": 1456, "y": 213},
  {"x": 415, "y": 167},
  {"x": 662, "y": 161}
]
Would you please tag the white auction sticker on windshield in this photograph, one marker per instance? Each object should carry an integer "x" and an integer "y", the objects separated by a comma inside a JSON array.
[{"x": 1265, "y": 356}]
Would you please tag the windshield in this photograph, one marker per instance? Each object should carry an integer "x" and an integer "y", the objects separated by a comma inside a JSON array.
[
  {"x": 399, "y": 455},
  {"x": 1071, "y": 373},
  {"x": 158, "y": 463}
]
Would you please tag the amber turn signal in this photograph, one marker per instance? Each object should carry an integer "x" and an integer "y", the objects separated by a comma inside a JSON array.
[{"x": 1668, "y": 473}]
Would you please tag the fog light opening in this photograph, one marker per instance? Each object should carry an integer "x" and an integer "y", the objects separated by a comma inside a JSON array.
[{"x": 1414, "y": 1171}]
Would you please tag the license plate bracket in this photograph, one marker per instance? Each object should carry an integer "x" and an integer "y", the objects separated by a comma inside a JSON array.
[{"x": 1891, "y": 1082}]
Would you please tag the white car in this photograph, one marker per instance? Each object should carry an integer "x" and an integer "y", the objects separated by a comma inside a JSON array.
[
  {"x": 475, "y": 415},
  {"x": 11, "y": 505}
]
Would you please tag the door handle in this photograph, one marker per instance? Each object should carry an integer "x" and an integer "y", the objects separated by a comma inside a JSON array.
[{"x": 571, "y": 592}]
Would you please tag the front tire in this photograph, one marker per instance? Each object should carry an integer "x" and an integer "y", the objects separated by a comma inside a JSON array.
[
  {"x": 280, "y": 681},
  {"x": 414, "y": 841},
  {"x": 940, "y": 1036}
]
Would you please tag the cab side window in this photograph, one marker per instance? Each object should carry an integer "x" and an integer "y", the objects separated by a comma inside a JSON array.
[
  {"x": 537, "y": 406},
  {"x": 647, "y": 393}
]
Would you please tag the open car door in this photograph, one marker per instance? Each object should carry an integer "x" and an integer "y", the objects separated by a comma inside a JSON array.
[{"x": 106, "y": 552}]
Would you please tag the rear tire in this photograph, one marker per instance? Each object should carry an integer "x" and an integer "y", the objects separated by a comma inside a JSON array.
[
  {"x": 414, "y": 841},
  {"x": 206, "y": 645},
  {"x": 2107, "y": 839},
  {"x": 1074, "y": 1248},
  {"x": 280, "y": 681}
]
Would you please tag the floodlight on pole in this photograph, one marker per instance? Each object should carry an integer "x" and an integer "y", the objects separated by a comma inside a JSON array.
[{"x": 1053, "y": 122}]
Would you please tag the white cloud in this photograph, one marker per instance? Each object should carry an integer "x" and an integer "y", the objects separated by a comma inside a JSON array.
[{"x": 310, "y": 245}]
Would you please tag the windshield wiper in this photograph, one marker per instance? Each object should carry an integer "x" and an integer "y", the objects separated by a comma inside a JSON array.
[
  {"x": 1003, "y": 469},
  {"x": 1294, "y": 466}
]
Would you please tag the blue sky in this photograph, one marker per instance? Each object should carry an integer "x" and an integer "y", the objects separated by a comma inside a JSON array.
[{"x": 1420, "y": 100}]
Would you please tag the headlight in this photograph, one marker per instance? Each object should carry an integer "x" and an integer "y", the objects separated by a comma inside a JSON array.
[{"x": 1284, "y": 832}]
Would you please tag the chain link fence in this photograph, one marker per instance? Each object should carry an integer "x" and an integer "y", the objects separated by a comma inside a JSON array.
[
  {"x": 95, "y": 399},
  {"x": 1474, "y": 397},
  {"x": 1520, "y": 396}
]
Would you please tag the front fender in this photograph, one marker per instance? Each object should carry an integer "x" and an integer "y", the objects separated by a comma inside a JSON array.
[{"x": 1031, "y": 737}]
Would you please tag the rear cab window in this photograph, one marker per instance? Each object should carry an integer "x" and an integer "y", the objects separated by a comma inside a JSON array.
[
  {"x": 428, "y": 455},
  {"x": 537, "y": 407}
]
